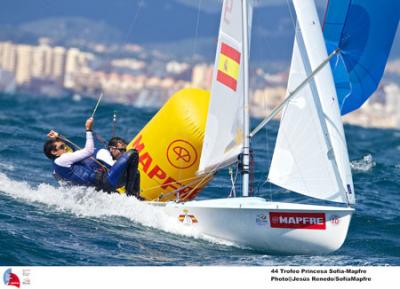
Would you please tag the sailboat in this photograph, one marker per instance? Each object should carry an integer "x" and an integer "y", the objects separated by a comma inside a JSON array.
[{"x": 310, "y": 155}]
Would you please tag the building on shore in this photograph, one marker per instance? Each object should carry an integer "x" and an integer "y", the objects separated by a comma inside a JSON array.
[{"x": 141, "y": 81}]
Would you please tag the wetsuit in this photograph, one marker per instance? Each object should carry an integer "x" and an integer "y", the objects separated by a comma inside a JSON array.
[
  {"x": 123, "y": 172},
  {"x": 80, "y": 168}
]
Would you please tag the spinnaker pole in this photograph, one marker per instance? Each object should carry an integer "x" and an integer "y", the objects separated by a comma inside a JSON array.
[{"x": 292, "y": 94}]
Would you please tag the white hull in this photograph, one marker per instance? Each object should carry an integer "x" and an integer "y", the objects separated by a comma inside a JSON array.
[{"x": 274, "y": 227}]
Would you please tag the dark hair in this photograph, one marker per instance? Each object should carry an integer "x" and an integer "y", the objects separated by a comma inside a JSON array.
[
  {"x": 48, "y": 147},
  {"x": 116, "y": 140}
]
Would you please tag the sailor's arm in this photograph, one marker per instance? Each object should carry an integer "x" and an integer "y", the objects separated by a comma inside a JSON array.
[
  {"x": 53, "y": 134},
  {"x": 67, "y": 159}
]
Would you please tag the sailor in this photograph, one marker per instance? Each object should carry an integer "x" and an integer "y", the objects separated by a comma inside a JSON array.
[
  {"x": 115, "y": 149},
  {"x": 80, "y": 167}
]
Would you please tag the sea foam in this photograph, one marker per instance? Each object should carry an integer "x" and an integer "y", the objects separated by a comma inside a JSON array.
[
  {"x": 87, "y": 202},
  {"x": 363, "y": 165}
]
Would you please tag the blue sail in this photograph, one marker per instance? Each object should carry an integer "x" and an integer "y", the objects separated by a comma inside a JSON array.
[{"x": 364, "y": 31}]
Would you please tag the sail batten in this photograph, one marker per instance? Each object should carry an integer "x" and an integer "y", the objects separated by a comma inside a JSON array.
[{"x": 310, "y": 155}]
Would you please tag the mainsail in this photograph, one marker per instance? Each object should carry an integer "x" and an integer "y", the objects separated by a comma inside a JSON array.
[
  {"x": 310, "y": 155},
  {"x": 364, "y": 31},
  {"x": 224, "y": 135}
]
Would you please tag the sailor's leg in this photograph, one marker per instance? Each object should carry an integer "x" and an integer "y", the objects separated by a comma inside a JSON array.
[
  {"x": 102, "y": 182},
  {"x": 133, "y": 176},
  {"x": 136, "y": 186},
  {"x": 117, "y": 172},
  {"x": 124, "y": 172}
]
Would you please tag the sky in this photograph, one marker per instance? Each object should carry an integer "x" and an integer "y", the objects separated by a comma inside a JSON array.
[
  {"x": 156, "y": 20},
  {"x": 213, "y": 6}
]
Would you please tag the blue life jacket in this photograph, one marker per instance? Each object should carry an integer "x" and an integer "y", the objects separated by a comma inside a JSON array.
[{"x": 81, "y": 173}]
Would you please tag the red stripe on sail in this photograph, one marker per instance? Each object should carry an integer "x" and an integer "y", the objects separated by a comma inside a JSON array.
[
  {"x": 230, "y": 52},
  {"x": 227, "y": 80}
]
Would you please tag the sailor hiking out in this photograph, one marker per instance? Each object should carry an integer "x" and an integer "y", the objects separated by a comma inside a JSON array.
[{"x": 106, "y": 170}]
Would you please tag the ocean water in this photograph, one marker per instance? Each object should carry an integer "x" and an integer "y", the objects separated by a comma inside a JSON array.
[{"x": 43, "y": 224}]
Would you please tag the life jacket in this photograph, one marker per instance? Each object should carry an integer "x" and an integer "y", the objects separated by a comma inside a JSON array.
[
  {"x": 105, "y": 165},
  {"x": 82, "y": 173}
]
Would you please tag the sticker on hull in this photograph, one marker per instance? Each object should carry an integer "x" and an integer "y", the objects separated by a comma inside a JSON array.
[
  {"x": 305, "y": 221},
  {"x": 187, "y": 219},
  {"x": 262, "y": 219}
]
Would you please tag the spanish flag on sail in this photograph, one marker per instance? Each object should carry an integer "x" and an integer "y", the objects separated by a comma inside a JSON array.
[{"x": 228, "y": 66}]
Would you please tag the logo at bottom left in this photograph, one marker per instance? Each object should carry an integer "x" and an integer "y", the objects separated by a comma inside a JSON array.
[{"x": 11, "y": 279}]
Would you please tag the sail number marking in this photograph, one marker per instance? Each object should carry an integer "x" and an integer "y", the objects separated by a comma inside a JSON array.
[{"x": 228, "y": 11}]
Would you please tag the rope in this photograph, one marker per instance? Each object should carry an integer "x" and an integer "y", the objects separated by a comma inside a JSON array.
[
  {"x": 176, "y": 182},
  {"x": 233, "y": 181},
  {"x": 198, "y": 184},
  {"x": 100, "y": 139},
  {"x": 233, "y": 191},
  {"x": 206, "y": 176}
]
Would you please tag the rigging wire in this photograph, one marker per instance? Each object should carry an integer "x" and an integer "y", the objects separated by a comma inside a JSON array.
[
  {"x": 233, "y": 180},
  {"x": 232, "y": 193},
  {"x": 204, "y": 178},
  {"x": 161, "y": 196},
  {"x": 251, "y": 166},
  {"x": 140, "y": 4},
  {"x": 114, "y": 123},
  {"x": 196, "y": 32},
  {"x": 266, "y": 109},
  {"x": 100, "y": 139},
  {"x": 267, "y": 150},
  {"x": 266, "y": 177},
  {"x": 292, "y": 18}
]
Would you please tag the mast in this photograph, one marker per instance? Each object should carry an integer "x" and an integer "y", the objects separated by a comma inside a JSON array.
[
  {"x": 246, "y": 117},
  {"x": 226, "y": 135}
]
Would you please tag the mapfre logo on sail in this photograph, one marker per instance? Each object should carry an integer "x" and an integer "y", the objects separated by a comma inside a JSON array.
[{"x": 306, "y": 221}]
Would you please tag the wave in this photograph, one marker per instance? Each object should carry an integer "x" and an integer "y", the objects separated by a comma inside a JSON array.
[
  {"x": 87, "y": 202},
  {"x": 7, "y": 167},
  {"x": 363, "y": 165}
]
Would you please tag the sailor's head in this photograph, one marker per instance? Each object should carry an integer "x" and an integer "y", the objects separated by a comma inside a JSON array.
[
  {"x": 54, "y": 148},
  {"x": 117, "y": 147}
]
